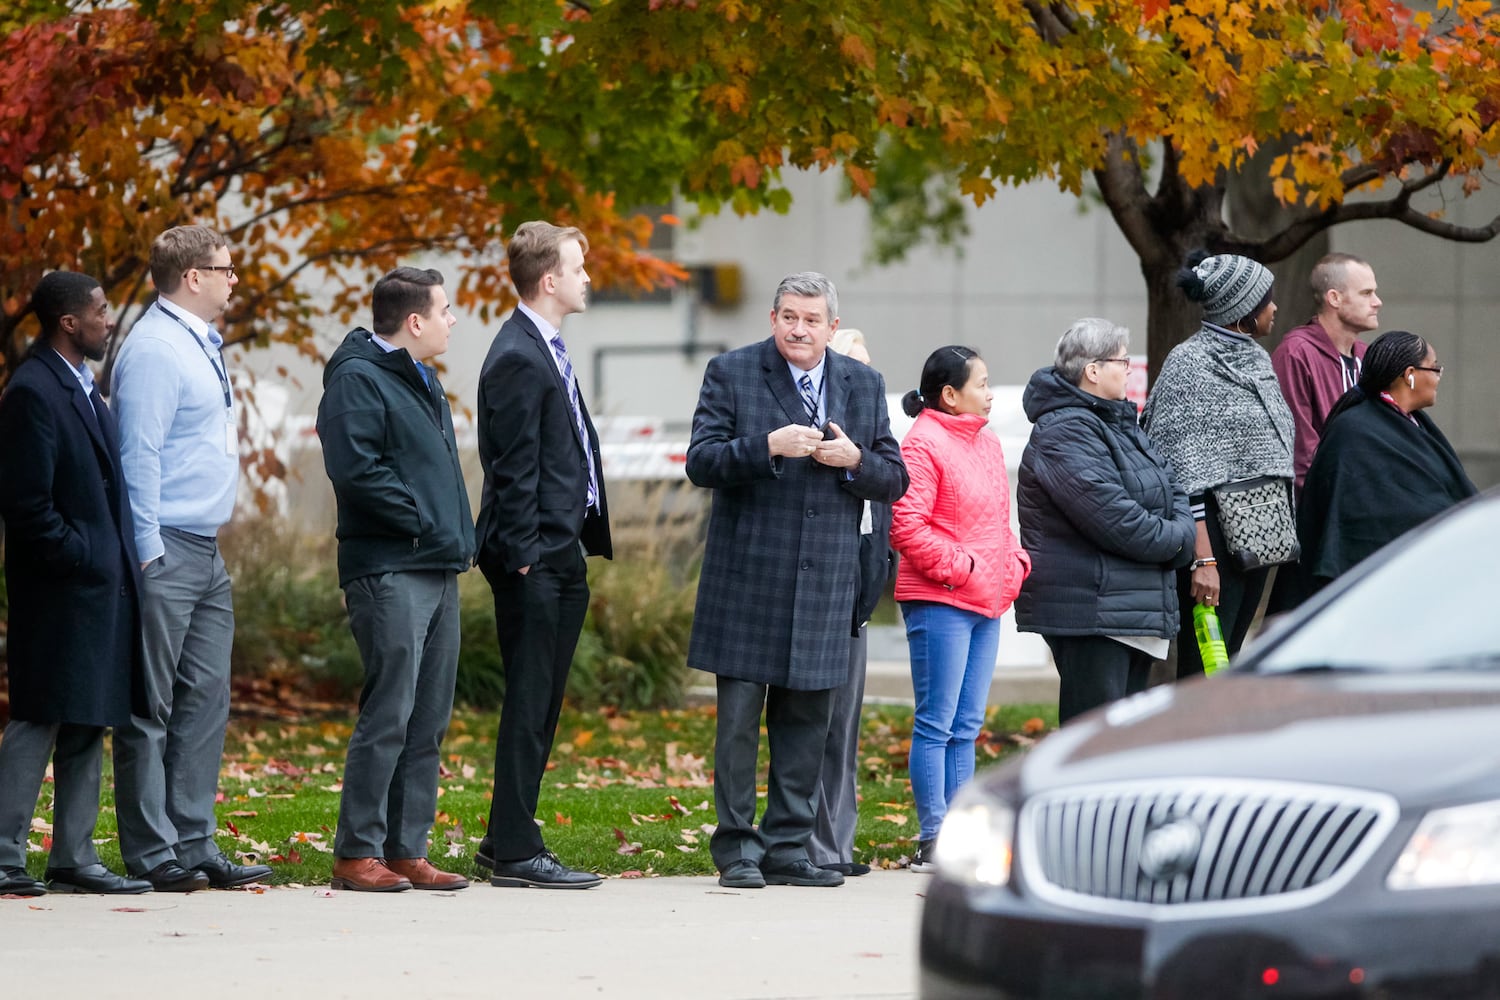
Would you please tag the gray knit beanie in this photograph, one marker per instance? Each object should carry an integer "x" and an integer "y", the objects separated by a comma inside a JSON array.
[{"x": 1232, "y": 287}]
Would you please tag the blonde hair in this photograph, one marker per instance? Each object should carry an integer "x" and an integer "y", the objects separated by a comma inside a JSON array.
[
  {"x": 845, "y": 339},
  {"x": 534, "y": 251},
  {"x": 181, "y": 248}
]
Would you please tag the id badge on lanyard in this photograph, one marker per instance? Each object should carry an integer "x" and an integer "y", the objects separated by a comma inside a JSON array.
[{"x": 231, "y": 432}]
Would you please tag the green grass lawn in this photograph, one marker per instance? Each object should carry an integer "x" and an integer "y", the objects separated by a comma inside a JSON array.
[{"x": 624, "y": 793}]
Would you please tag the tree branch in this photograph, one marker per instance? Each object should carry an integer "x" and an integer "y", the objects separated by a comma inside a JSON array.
[
  {"x": 1122, "y": 184},
  {"x": 1397, "y": 208}
]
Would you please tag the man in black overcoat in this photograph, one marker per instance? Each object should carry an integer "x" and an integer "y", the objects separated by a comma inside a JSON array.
[
  {"x": 792, "y": 438},
  {"x": 73, "y": 581}
]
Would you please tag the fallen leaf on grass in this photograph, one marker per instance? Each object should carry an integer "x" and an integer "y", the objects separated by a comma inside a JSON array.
[
  {"x": 562, "y": 820},
  {"x": 627, "y": 846},
  {"x": 1033, "y": 726},
  {"x": 632, "y": 873},
  {"x": 897, "y": 818},
  {"x": 244, "y": 814}
]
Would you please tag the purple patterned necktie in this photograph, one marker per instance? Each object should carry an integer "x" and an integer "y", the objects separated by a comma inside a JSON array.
[
  {"x": 563, "y": 363},
  {"x": 809, "y": 398}
]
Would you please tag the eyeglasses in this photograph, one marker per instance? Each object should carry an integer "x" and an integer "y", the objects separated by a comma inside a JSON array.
[
  {"x": 1438, "y": 371},
  {"x": 1121, "y": 361},
  {"x": 228, "y": 269}
]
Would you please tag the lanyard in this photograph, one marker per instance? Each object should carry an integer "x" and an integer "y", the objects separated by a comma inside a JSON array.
[{"x": 219, "y": 371}]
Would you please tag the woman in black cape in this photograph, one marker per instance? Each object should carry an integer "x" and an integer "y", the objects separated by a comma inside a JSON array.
[{"x": 1382, "y": 466}]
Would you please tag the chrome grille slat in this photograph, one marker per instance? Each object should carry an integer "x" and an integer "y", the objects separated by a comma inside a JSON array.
[{"x": 1259, "y": 841}]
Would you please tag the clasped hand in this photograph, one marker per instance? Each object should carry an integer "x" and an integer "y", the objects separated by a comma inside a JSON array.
[{"x": 802, "y": 441}]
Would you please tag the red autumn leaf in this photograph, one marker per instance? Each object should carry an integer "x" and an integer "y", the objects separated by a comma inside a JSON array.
[
  {"x": 293, "y": 857},
  {"x": 562, "y": 820},
  {"x": 632, "y": 873},
  {"x": 232, "y": 828},
  {"x": 627, "y": 846}
]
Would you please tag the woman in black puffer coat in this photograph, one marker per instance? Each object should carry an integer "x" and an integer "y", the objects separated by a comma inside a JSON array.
[{"x": 1104, "y": 521}]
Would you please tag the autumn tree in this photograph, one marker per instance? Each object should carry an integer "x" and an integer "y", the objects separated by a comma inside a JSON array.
[
  {"x": 1159, "y": 103},
  {"x": 323, "y": 160}
]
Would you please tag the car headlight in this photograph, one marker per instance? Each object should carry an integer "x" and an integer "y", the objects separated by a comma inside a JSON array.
[
  {"x": 974, "y": 844},
  {"x": 1452, "y": 847}
]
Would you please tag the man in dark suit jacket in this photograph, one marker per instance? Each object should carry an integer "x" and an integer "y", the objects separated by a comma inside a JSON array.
[
  {"x": 542, "y": 511},
  {"x": 74, "y": 583},
  {"x": 792, "y": 438}
]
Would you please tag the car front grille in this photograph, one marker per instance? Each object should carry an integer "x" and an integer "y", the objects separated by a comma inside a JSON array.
[{"x": 1220, "y": 843}]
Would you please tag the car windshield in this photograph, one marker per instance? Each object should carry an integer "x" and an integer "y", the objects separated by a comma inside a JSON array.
[{"x": 1431, "y": 605}]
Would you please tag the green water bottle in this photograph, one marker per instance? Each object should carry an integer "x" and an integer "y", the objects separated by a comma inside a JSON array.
[{"x": 1210, "y": 639}]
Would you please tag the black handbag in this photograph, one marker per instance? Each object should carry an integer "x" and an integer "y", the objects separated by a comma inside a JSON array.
[{"x": 1259, "y": 525}]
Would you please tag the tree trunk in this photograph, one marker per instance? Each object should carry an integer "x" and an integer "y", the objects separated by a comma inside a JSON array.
[{"x": 1171, "y": 317}]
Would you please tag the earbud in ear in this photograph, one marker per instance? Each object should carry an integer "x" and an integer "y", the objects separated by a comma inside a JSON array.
[{"x": 1411, "y": 381}]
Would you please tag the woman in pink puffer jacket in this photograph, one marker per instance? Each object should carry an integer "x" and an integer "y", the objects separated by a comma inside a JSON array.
[{"x": 961, "y": 567}]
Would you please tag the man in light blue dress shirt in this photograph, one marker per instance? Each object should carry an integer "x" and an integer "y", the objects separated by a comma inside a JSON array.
[{"x": 180, "y": 452}]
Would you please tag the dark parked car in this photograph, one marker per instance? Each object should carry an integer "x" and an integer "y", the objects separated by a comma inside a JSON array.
[{"x": 1322, "y": 820}]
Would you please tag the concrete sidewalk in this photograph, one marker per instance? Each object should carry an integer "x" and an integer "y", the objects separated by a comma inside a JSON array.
[{"x": 646, "y": 938}]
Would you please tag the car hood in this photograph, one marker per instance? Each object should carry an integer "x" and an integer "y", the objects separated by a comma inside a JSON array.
[{"x": 1423, "y": 737}]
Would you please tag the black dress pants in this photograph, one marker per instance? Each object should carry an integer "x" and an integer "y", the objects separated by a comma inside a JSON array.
[
  {"x": 1095, "y": 670},
  {"x": 538, "y": 618},
  {"x": 1239, "y": 597}
]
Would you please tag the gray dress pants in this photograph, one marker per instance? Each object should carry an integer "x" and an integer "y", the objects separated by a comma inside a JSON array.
[
  {"x": 796, "y": 729},
  {"x": 167, "y": 763},
  {"x": 406, "y": 627},
  {"x": 77, "y": 755},
  {"x": 838, "y": 783}
]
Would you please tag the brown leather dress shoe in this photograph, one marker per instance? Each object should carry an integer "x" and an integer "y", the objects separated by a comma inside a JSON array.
[
  {"x": 422, "y": 875},
  {"x": 366, "y": 875}
]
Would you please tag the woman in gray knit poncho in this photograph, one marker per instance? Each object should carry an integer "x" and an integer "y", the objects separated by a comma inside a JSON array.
[{"x": 1216, "y": 413}]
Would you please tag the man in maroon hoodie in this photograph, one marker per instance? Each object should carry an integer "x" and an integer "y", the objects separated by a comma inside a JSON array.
[{"x": 1316, "y": 363}]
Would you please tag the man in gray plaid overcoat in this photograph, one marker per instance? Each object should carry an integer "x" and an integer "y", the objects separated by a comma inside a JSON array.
[{"x": 792, "y": 438}]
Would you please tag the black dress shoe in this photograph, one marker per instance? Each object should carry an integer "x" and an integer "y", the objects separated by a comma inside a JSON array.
[
  {"x": 848, "y": 869},
  {"x": 542, "y": 872},
  {"x": 94, "y": 878},
  {"x": 742, "y": 874},
  {"x": 801, "y": 873},
  {"x": 169, "y": 876},
  {"x": 225, "y": 874},
  {"x": 15, "y": 882}
]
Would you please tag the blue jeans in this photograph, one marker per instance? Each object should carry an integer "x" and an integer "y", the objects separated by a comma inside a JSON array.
[{"x": 952, "y": 663}]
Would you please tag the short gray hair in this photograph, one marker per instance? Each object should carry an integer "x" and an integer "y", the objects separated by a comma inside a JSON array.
[
  {"x": 1088, "y": 339},
  {"x": 810, "y": 284}
]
